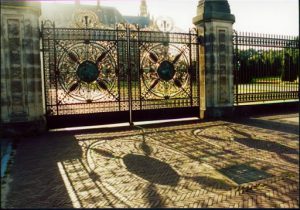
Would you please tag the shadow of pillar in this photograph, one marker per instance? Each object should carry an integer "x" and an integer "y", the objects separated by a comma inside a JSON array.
[{"x": 37, "y": 180}]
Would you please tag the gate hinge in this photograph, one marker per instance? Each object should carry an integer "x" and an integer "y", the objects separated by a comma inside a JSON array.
[{"x": 200, "y": 40}]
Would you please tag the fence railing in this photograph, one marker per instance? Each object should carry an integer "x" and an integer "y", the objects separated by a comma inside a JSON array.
[{"x": 266, "y": 67}]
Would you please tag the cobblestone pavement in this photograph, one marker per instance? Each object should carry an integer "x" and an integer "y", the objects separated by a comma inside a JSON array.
[{"x": 205, "y": 164}]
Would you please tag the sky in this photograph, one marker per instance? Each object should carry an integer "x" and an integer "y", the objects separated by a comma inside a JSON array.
[{"x": 259, "y": 16}]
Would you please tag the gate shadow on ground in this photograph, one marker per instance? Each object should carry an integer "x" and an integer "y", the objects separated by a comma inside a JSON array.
[
  {"x": 266, "y": 145},
  {"x": 38, "y": 182},
  {"x": 209, "y": 182},
  {"x": 269, "y": 145},
  {"x": 36, "y": 179},
  {"x": 151, "y": 169},
  {"x": 268, "y": 124},
  {"x": 154, "y": 198}
]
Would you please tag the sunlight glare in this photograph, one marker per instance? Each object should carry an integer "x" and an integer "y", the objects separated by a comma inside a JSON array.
[
  {"x": 263, "y": 16},
  {"x": 68, "y": 186}
]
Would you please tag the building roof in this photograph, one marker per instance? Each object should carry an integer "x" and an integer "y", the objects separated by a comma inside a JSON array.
[
  {"x": 63, "y": 14},
  {"x": 140, "y": 20}
]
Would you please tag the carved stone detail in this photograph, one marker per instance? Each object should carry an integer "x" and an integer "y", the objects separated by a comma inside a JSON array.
[{"x": 21, "y": 88}]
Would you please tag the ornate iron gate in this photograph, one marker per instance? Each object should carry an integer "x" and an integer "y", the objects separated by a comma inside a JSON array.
[{"x": 95, "y": 76}]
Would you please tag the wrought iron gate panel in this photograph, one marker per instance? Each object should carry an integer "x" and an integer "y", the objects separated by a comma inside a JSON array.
[
  {"x": 84, "y": 73},
  {"x": 164, "y": 71},
  {"x": 88, "y": 71}
]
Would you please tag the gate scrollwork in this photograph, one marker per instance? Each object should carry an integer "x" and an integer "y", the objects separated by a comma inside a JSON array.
[
  {"x": 164, "y": 71},
  {"x": 87, "y": 71}
]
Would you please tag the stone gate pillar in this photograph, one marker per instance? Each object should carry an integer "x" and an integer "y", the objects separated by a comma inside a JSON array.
[
  {"x": 214, "y": 21},
  {"x": 21, "y": 87}
]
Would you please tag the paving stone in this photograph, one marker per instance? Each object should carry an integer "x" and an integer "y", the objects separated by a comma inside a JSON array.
[{"x": 174, "y": 166}]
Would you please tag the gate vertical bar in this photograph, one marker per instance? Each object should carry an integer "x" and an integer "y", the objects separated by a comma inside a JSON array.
[
  {"x": 118, "y": 66},
  {"x": 129, "y": 75},
  {"x": 191, "y": 68},
  {"x": 236, "y": 66},
  {"x": 139, "y": 66},
  {"x": 55, "y": 67},
  {"x": 44, "y": 71}
]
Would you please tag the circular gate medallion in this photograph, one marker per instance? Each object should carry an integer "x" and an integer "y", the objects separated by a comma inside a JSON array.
[
  {"x": 87, "y": 71},
  {"x": 166, "y": 70}
]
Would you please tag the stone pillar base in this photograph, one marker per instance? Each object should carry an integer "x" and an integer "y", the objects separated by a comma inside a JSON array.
[
  {"x": 219, "y": 112},
  {"x": 23, "y": 129}
]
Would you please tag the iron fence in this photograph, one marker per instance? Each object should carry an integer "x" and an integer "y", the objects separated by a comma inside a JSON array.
[{"x": 266, "y": 67}]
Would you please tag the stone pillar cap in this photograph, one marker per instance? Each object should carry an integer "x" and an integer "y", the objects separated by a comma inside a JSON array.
[{"x": 213, "y": 9}]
